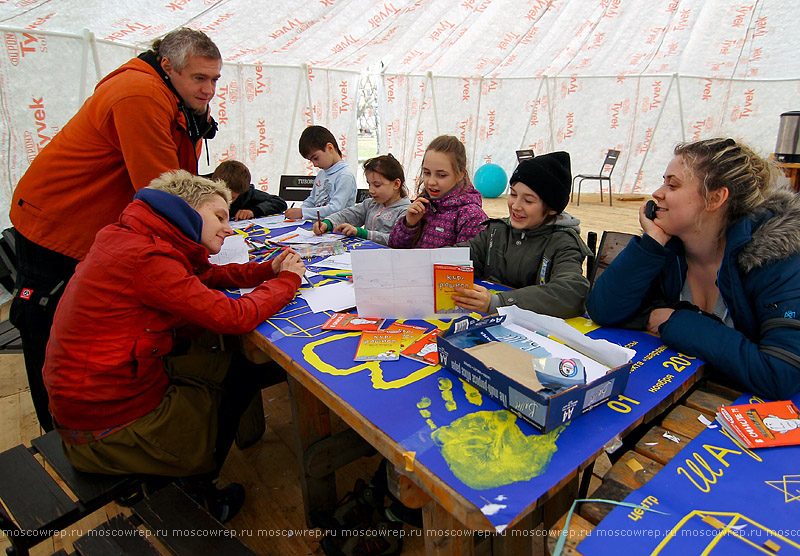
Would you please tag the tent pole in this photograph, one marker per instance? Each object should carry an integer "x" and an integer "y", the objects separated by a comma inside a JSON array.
[
  {"x": 655, "y": 125},
  {"x": 303, "y": 76}
]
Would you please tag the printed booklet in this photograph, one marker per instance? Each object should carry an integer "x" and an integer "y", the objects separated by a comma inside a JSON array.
[
  {"x": 379, "y": 345},
  {"x": 446, "y": 278},
  {"x": 349, "y": 321},
  {"x": 424, "y": 350},
  {"x": 410, "y": 332},
  {"x": 762, "y": 425}
]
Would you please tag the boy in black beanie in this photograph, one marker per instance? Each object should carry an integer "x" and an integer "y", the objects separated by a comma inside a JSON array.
[{"x": 537, "y": 250}]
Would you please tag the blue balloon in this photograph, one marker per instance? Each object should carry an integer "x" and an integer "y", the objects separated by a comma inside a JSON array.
[{"x": 491, "y": 180}]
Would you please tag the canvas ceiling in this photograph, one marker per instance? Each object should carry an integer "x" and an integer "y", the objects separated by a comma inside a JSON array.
[{"x": 575, "y": 75}]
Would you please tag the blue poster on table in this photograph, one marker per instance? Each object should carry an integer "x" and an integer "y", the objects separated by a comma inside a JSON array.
[{"x": 717, "y": 497}]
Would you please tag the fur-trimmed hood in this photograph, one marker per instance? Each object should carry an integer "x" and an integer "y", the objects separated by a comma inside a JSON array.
[{"x": 776, "y": 232}]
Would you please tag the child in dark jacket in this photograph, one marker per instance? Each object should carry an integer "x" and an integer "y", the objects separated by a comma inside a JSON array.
[
  {"x": 537, "y": 249},
  {"x": 448, "y": 209},
  {"x": 248, "y": 202}
]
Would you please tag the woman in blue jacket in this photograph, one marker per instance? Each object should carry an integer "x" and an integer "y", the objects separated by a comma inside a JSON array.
[{"x": 717, "y": 272}]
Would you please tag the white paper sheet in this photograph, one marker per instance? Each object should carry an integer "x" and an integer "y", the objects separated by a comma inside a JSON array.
[
  {"x": 603, "y": 351},
  {"x": 333, "y": 297},
  {"x": 398, "y": 283},
  {"x": 271, "y": 222},
  {"x": 302, "y": 235},
  {"x": 594, "y": 370},
  {"x": 336, "y": 262},
  {"x": 234, "y": 250}
]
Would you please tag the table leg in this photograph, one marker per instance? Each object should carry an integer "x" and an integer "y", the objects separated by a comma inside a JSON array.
[
  {"x": 312, "y": 422},
  {"x": 525, "y": 538},
  {"x": 441, "y": 532}
]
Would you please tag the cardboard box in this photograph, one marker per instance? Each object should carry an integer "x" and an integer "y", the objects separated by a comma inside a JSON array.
[{"x": 543, "y": 412}]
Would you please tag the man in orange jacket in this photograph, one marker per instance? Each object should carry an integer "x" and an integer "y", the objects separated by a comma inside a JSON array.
[{"x": 145, "y": 118}]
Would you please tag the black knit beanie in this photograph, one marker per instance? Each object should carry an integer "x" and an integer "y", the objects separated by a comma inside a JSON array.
[{"x": 549, "y": 175}]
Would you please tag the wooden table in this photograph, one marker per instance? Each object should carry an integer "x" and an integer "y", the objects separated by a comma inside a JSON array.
[{"x": 322, "y": 375}]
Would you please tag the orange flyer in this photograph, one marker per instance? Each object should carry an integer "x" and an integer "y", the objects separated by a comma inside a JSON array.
[
  {"x": 762, "y": 425},
  {"x": 446, "y": 278}
]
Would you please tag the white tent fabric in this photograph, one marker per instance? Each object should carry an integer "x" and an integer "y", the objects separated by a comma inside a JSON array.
[{"x": 574, "y": 75}]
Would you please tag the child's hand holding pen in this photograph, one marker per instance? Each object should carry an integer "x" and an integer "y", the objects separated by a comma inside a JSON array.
[{"x": 320, "y": 228}]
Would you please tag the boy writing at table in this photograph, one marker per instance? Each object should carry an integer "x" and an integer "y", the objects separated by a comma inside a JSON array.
[{"x": 335, "y": 186}]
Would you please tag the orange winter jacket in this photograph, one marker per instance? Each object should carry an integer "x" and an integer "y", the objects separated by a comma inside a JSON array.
[{"x": 127, "y": 133}]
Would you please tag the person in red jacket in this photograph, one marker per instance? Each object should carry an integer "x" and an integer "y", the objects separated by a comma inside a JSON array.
[
  {"x": 120, "y": 397},
  {"x": 144, "y": 118}
]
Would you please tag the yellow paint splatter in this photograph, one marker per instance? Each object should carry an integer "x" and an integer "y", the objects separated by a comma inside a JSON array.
[
  {"x": 486, "y": 449},
  {"x": 473, "y": 394},
  {"x": 446, "y": 387},
  {"x": 374, "y": 367}
]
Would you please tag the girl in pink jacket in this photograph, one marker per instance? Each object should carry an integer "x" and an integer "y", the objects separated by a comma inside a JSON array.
[{"x": 447, "y": 209}]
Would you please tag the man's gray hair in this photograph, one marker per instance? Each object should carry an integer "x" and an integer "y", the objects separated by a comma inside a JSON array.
[{"x": 181, "y": 44}]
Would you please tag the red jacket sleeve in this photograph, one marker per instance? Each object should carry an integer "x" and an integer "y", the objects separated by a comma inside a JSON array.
[
  {"x": 165, "y": 284},
  {"x": 233, "y": 275}
]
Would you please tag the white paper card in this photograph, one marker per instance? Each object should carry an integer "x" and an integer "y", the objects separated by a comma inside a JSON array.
[
  {"x": 234, "y": 250},
  {"x": 333, "y": 297}
]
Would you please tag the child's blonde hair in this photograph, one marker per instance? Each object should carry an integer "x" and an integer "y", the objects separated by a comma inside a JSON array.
[
  {"x": 454, "y": 149},
  {"x": 192, "y": 189}
]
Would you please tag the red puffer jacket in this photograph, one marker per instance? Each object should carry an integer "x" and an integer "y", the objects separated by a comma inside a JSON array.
[{"x": 142, "y": 279}]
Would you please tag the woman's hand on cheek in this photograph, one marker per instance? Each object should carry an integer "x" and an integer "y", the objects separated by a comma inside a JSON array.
[{"x": 651, "y": 228}]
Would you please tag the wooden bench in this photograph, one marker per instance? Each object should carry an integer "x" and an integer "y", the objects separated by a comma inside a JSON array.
[
  {"x": 36, "y": 505},
  {"x": 167, "y": 518}
]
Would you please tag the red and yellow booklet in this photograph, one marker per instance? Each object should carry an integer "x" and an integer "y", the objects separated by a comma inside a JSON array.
[
  {"x": 410, "y": 332},
  {"x": 349, "y": 321},
  {"x": 379, "y": 345},
  {"x": 446, "y": 278},
  {"x": 762, "y": 425},
  {"x": 424, "y": 350}
]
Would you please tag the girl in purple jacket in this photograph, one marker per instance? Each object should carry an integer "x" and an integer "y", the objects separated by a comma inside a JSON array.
[{"x": 447, "y": 209}]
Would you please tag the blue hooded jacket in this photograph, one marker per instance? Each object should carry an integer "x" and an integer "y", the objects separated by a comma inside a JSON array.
[{"x": 759, "y": 281}]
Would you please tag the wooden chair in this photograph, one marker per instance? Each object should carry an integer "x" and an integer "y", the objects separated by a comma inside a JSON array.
[
  {"x": 604, "y": 175},
  {"x": 295, "y": 188},
  {"x": 361, "y": 195},
  {"x": 611, "y": 245}
]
